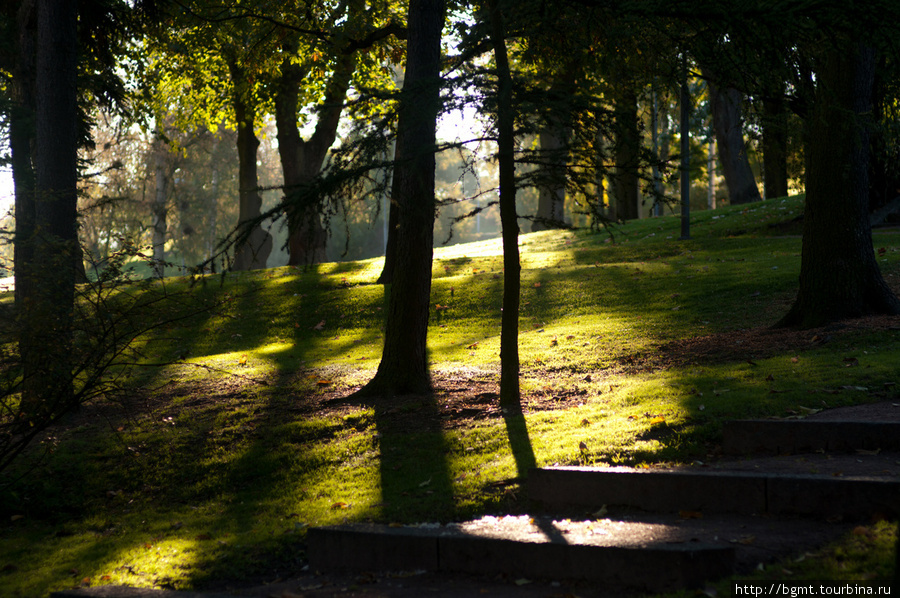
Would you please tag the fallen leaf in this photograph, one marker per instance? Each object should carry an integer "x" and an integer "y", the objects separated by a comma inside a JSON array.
[
  {"x": 658, "y": 420},
  {"x": 585, "y": 422},
  {"x": 17, "y": 517},
  {"x": 105, "y": 578},
  {"x": 425, "y": 483},
  {"x": 795, "y": 359},
  {"x": 324, "y": 382},
  {"x": 319, "y": 326},
  {"x": 770, "y": 378},
  {"x": 339, "y": 505},
  {"x": 522, "y": 581},
  {"x": 582, "y": 447},
  {"x": 601, "y": 511},
  {"x": 242, "y": 360},
  {"x": 472, "y": 346}
]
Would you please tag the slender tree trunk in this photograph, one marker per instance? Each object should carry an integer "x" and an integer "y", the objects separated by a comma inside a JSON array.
[
  {"x": 509, "y": 332},
  {"x": 728, "y": 124},
  {"x": 839, "y": 276},
  {"x": 160, "y": 206},
  {"x": 628, "y": 148},
  {"x": 711, "y": 172},
  {"x": 212, "y": 210},
  {"x": 254, "y": 250},
  {"x": 685, "y": 125},
  {"x": 404, "y": 361},
  {"x": 48, "y": 306}
]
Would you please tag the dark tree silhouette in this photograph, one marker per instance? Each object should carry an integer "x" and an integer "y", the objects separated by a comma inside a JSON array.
[{"x": 404, "y": 360}]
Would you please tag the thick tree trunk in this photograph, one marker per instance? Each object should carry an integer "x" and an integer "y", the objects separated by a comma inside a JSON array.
[
  {"x": 552, "y": 191},
  {"x": 839, "y": 276},
  {"x": 301, "y": 160},
  {"x": 404, "y": 361},
  {"x": 256, "y": 244},
  {"x": 48, "y": 306},
  {"x": 774, "y": 140},
  {"x": 627, "y": 153},
  {"x": 509, "y": 332},
  {"x": 728, "y": 124},
  {"x": 21, "y": 144}
]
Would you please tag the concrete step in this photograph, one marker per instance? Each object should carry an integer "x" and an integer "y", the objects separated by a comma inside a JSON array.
[
  {"x": 615, "y": 552},
  {"x": 716, "y": 491},
  {"x": 742, "y": 437}
]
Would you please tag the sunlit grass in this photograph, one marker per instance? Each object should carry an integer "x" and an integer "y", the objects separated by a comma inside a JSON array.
[{"x": 192, "y": 490}]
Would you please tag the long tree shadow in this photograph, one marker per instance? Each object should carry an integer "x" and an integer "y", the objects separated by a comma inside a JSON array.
[
  {"x": 523, "y": 454},
  {"x": 413, "y": 459}
]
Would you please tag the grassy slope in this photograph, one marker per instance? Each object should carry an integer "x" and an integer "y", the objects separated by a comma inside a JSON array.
[{"x": 195, "y": 490}]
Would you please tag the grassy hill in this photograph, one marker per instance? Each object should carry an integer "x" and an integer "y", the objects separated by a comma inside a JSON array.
[{"x": 635, "y": 347}]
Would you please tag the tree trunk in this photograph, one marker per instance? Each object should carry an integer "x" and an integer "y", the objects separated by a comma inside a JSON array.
[
  {"x": 839, "y": 276},
  {"x": 509, "y": 332},
  {"x": 390, "y": 250},
  {"x": 552, "y": 191},
  {"x": 48, "y": 306},
  {"x": 774, "y": 140},
  {"x": 728, "y": 124},
  {"x": 301, "y": 160},
  {"x": 627, "y": 152},
  {"x": 21, "y": 144},
  {"x": 255, "y": 244},
  {"x": 160, "y": 207},
  {"x": 404, "y": 361}
]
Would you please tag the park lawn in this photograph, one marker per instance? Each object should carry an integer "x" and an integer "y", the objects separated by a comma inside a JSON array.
[{"x": 214, "y": 467}]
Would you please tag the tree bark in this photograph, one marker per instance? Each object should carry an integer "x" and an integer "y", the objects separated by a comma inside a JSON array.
[
  {"x": 21, "y": 144},
  {"x": 839, "y": 276},
  {"x": 774, "y": 140},
  {"x": 255, "y": 243},
  {"x": 552, "y": 192},
  {"x": 48, "y": 304},
  {"x": 404, "y": 360},
  {"x": 301, "y": 160},
  {"x": 509, "y": 331},
  {"x": 160, "y": 206},
  {"x": 728, "y": 124},
  {"x": 627, "y": 153}
]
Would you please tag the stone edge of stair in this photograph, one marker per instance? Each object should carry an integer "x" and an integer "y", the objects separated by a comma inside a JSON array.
[
  {"x": 715, "y": 491},
  {"x": 376, "y": 547}
]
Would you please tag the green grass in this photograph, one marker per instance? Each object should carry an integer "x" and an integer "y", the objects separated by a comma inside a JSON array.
[{"x": 220, "y": 474}]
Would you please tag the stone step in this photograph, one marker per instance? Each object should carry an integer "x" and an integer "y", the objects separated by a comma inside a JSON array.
[
  {"x": 716, "y": 491},
  {"x": 620, "y": 556},
  {"x": 742, "y": 437}
]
